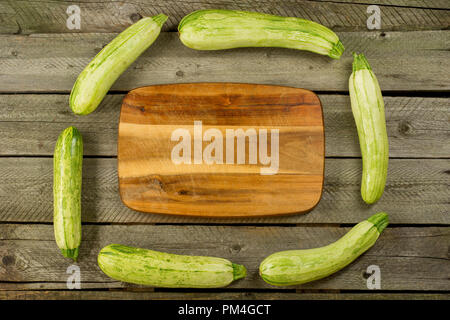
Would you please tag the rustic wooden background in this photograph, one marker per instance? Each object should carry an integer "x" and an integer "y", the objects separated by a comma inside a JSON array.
[{"x": 40, "y": 59}]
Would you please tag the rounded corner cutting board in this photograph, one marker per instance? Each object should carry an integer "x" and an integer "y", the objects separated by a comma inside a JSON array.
[{"x": 210, "y": 149}]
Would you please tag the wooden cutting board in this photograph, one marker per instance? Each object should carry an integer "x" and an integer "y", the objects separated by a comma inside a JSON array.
[{"x": 221, "y": 150}]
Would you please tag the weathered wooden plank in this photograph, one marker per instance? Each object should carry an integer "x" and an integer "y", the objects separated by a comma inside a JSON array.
[
  {"x": 30, "y": 125},
  {"x": 437, "y": 4},
  {"x": 409, "y": 258},
  {"x": 402, "y": 61},
  {"x": 146, "y": 295},
  {"x": 416, "y": 193},
  {"x": 111, "y": 16}
]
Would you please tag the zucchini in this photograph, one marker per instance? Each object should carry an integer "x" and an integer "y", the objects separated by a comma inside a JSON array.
[
  {"x": 159, "y": 269},
  {"x": 67, "y": 167},
  {"x": 226, "y": 29},
  {"x": 99, "y": 75},
  {"x": 368, "y": 111},
  {"x": 294, "y": 267}
]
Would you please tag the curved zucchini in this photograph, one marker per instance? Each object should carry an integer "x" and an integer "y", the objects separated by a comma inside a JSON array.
[
  {"x": 368, "y": 111},
  {"x": 67, "y": 167},
  {"x": 159, "y": 269},
  {"x": 294, "y": 267},
  {"x": 99, "y": 75},
  {"x": 226, "y": 29}
]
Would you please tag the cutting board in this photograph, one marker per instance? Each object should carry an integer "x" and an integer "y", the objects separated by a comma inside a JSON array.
[{"x": 221, "y": 150}]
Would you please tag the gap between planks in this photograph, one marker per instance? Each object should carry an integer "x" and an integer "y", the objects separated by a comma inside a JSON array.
[{"x": 230, "y": 295}]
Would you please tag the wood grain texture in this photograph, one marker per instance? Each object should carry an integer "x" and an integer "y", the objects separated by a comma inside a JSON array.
[
  {"x": 31, "y": 123},
  {"x": 402, "y": 61},
  {"x": 112, "y": 16},
  {"x": 148, "y": 294},
  {"x": 409, "y": 258},
  {"x": 236, "y": 178},
  {"x": 416, "y": 193}
]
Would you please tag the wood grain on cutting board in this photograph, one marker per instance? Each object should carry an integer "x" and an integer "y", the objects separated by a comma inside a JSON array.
[{"x": 152, "y": 118}]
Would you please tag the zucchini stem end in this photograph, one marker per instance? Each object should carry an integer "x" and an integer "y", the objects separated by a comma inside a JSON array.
[
  {"x": 239, "y": 271},
  {"x": 380, "y": 221},
  {"x": 70, "y": 253}
]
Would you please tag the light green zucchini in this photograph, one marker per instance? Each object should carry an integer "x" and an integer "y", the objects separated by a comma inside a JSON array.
[
  {"x": 294, "y": 267},
  {"x": 67, "y": 167},
  {"x": 159, "y": 269},
  {"x": 368, "y": 111},
  {"x": 99, "y": 75},
  {"x": 226, "y": 29}
]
